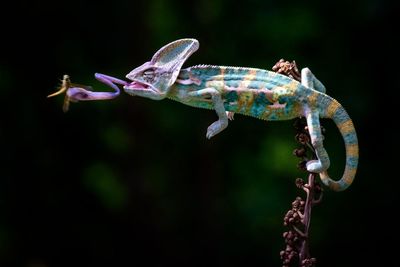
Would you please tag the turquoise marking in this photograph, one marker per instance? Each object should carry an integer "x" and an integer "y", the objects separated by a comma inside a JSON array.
[
  {"x": 289, "y": 105},
  {"x": 278, "y": 79},
  {"x": 350, "y": 138},
  {"x": 352, "y": 162},
  {"x": 231, "y": 96},
  {"x": 340, "y": 116},
  {"x": 232, "y": 83},
  {"x": 259, "y": 104},
  {"x": 184, "y": 74},
  {"x": 257, "y": 84},
  {"x": 273, "y": 117},
  {"x": 207, "y": 73},
  {"x": 343, "y": 184},
  {"x": 234, "y": 73},
  {"x": 323, "y": 102}
]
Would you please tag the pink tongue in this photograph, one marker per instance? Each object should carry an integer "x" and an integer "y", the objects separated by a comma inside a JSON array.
[{"x": 138, "y": 85}]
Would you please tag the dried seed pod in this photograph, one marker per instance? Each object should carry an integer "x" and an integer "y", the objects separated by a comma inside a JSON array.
[
  {"x": 299, "y": 182},
  {"x": 299, "y": 152},
  {"x": 302, "y": 138}
]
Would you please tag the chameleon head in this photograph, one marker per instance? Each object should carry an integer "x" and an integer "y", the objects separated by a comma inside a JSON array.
[{"x": 155, "y": 77}]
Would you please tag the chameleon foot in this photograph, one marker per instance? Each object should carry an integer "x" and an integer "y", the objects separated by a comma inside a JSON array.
[
  {"x": 316, "y": 166},
  {"x": 230, "y": 115},
  {"x": 216, "y": 128}
]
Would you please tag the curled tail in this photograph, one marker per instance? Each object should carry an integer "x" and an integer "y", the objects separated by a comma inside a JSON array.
[{"x": 336, "y": 112}]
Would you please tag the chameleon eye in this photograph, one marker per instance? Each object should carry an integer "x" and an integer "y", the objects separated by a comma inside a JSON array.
[{"x": 148, "y": 75}]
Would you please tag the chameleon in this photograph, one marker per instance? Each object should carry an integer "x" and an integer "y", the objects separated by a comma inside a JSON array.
[{"x": 227, "y": 90}]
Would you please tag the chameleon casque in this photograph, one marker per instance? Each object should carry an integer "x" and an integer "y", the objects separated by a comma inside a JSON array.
[{"x": 254, "y": 92}]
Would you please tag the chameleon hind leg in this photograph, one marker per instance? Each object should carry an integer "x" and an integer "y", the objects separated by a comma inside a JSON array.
[
  {"x": 309, "y": 80},
  {"x": 322, "y": 163},
  {"x": 222, "y": 122}
]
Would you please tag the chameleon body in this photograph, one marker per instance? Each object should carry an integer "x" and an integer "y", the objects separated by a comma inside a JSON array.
[{"x": 254, "y": 92}]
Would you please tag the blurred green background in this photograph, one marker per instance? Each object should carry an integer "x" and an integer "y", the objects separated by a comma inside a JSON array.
[{"x": 134, "y": 182}]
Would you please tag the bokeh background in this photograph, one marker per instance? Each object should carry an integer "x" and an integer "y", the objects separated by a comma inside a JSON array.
[{"x": 134, "y": 182}]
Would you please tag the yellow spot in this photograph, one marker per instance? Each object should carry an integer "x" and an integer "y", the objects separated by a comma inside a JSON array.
[
  {"x": 292, "y": 86},
  {"x": 346, "y": 127},
  {"x": 274, "y": 96},
  {"x": 297, "y": 109},
  {"x": 267, "y": 111},
  {"x": 251, "y": 75},
  {"x": 222, "y": 74},
  {"x": 246, "y": 99},
  {"x": 327, "y": 180},
  {"x": 313, "y": 98},
  {"x": 334, "y": 186},
  {"x": 348, "y": 176},
  {"x": 332, "y": 108},
  {"x": 247, "y": 79},
  {"x": 352, "y": 150},
  {"x": 218, "y": 85},
  {"x": 217, "y": 81}
]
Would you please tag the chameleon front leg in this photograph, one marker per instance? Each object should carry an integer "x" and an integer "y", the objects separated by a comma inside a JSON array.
[
  {"x": 222, "y": 122},
  {"x": 322, "y": 163},
  {"x": 230, "y": 115}
]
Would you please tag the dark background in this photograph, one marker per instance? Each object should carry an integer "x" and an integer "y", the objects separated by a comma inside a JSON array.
[{"x": 134, "y": 182}]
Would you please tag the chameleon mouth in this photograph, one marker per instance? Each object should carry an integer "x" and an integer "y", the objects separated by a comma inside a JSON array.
[
  {"x": 140, "y": 88},
  {"x": 137, "y": 85}
]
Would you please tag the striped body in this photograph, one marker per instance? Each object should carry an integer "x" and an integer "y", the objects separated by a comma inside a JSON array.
[
  {"x": 254, "y": 92},
  {"x": 270, "y": 96}
]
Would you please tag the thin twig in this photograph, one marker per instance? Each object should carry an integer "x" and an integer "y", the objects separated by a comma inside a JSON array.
[{"x": 298, "y": 218}]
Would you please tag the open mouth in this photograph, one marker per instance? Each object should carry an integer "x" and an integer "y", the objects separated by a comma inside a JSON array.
[{"x": 137, "y": 85}]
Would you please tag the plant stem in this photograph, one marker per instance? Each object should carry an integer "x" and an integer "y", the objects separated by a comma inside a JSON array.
[
  {"x": 298, "y": 218},
  {"x": 304, "y": 250}
]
